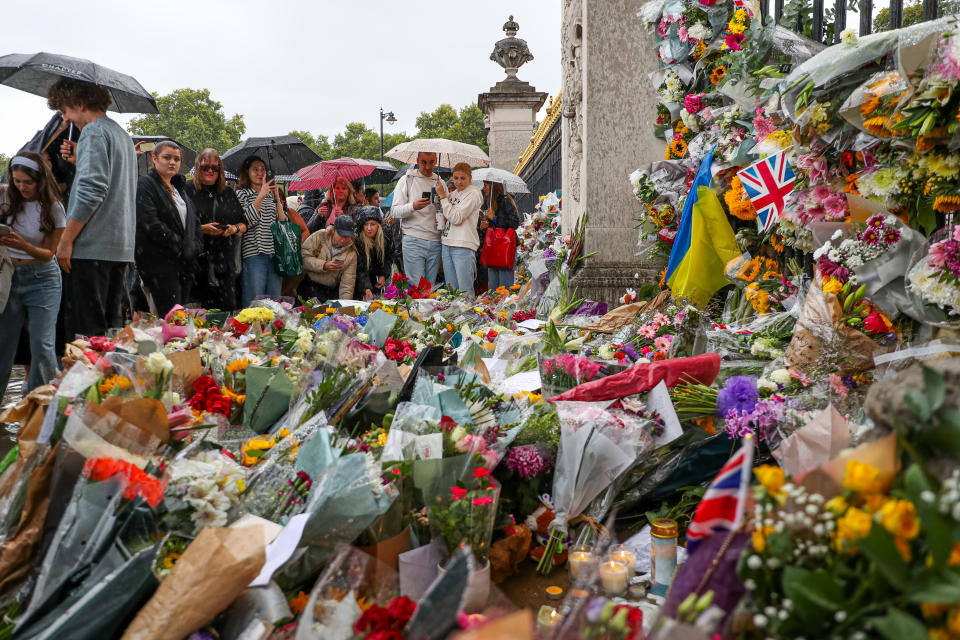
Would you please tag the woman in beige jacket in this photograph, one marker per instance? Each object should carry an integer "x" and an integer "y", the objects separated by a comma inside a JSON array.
[{"x": 330, "y": 262}]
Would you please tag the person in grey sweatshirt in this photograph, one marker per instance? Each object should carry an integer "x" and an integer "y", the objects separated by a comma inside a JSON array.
[
  {"x": 414, "y": 208},
  {"x": 97, "y": 246}
]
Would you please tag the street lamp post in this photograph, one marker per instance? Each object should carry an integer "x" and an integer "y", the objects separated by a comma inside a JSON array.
[{"x": 389, "y": 117}]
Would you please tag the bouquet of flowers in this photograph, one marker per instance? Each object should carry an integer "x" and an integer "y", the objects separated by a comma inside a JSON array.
[
  {"x": 467, "y": 514},
  {"x": 565, "y": 371},
  {"x": 934, "y": 278}
]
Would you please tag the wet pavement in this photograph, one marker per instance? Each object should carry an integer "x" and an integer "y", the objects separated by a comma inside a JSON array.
[{"x": 8, "y": 430}]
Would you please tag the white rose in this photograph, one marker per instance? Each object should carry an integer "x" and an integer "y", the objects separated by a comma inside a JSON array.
[
  {"x": 157, "y": 363},
  {"x": 848, "y": 36}
]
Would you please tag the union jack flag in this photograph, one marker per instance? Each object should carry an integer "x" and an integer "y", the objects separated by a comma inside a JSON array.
[
  {"x": 768, "y": 183},
  {"x": 722, "y": 506}
]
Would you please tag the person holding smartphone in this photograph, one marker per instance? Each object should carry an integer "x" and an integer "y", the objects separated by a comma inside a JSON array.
[
  {"x": 461, "y": 209},
  {"x": 222, "y": 221},
  {"x": 169, "y": 237},
  {"x": 33, "y": 221},
  {"x": 330, "y": 262},
  {"x": 260, "y": 199},
  {"x": 413, "y": 206}
]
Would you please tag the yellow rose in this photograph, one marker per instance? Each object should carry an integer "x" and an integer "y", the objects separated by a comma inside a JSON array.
[
  {"x": 837, "y": 505},
  {"x": 860, "y": 476},
  {"x": 899, "y": 517},
  {"x": 770, "y": 478},
  {"x": 874, "y": 502},
  {"x": 832, "y": 286},
  {"x": 853, "y": 526}
]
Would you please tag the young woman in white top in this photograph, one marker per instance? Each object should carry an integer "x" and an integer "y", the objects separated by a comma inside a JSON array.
[
  {"x": 33, "y": 220},
  {"x": 458, "y": 224}
]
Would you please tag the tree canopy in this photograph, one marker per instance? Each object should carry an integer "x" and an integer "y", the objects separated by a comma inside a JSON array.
[
  {"x": 193, "y": 118},
  {"x": 445, "y": 122},
  {"x": 4, "y": 162},
  {"x": 913, "y": 14}
]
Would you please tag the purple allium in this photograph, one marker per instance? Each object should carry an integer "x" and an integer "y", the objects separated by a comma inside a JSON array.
[
  {"x": 529, "y": 460},
  {"x": 740, "y": 393}
]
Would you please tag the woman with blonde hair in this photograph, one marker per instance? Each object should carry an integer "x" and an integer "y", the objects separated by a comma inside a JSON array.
[
  {"x": 341, "y": 200},
  {"x": 222, "y": 221},
  {"x": 458, "y": 222},
  {"x": 501, "y": 213},
  {"x": 374, "y": 254},
  {"x": 33, "y": 220}
]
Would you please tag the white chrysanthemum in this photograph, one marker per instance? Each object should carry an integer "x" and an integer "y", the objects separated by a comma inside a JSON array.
[
  {"x": 781, "y": 376},
  {"x": 848, "y": 36},
  {"x": 605, "y": 352},
  {"x": 763, "y": 384},
  {"x": 699, "y": 31}
]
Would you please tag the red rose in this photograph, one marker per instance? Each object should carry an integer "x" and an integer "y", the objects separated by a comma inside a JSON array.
[
  {"x": 218, "y": 404},
  {"x": 458, "y": 493},
  {"x": 401, "y": 609},
  {"x": 481, "y": 472},
  {"x": 876, "y": 323},
  {"x": 204, "y": 384},
  {"x": 373, "y": 619}
]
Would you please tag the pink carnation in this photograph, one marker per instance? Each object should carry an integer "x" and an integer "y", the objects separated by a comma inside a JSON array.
[{"x": 693, "y": 102}]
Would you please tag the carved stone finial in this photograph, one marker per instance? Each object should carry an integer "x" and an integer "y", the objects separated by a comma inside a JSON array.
[{"x": 511, "y": 52}]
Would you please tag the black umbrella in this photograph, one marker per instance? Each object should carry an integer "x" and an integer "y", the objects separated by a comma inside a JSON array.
[
  {"x": 143, "y": 160},
  {"x": 283, "y": 154},
  {"x": 443, "y": 172},
  {"x": 383, "y": 173},
  {"x": 36, "y": 72}
]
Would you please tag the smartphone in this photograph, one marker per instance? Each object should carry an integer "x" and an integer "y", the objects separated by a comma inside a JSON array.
[
  {"x": 4, "y": 229},
  {"x": 222, "y": 226},
  {"x": 425, "y": 194},
  {"x": 147, "y": 146},
  {"x": 338, "y": 260}
]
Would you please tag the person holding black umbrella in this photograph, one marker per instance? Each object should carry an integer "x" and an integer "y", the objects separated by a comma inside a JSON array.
[
  {"x": 97, "y": 246},
  {"x": 262, "y": 207},
  {"x": 169, "y": 238}
]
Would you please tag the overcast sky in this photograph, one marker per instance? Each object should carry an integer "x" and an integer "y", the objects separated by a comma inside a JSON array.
[{"x": 310, "y": 65}]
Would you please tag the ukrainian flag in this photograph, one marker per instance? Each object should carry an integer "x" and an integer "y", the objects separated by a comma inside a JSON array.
[{"x": 704, "y": 243}]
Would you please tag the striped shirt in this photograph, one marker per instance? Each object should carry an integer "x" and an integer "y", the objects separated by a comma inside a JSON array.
[{"x": 259, "y": 238}]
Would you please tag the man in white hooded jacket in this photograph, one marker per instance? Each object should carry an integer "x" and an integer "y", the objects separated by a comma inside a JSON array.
[{"x": 418, "y": 220}]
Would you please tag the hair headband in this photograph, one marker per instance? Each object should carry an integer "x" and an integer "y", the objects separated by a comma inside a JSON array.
[{"x": 23, "y": 161}]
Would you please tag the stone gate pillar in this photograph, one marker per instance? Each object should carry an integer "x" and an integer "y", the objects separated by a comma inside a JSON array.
[
  {"x": 609, "y": 106},
  {"x": 511, "y": 105}
]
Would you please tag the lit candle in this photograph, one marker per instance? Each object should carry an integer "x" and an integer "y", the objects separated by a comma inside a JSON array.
[
  {"x": 613, "y": 575},
  {"x": 582, "y": 565},
  {"x": 554, "y": 592},
  {"x": 625, "y": 556},
  {"x": 547, "y": 617}
]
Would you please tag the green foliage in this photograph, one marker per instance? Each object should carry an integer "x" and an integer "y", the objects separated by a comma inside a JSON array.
[
  {"x": 319, "y": 143},
  {"x": 357, "y": 140},
  {"x": 4, "y": 162},
  {"x": 681, "y": 511},
  {"x": 445, "y": 122},
  {"x": 193, "y": 118},
  {"x": 913, "y": 14}
]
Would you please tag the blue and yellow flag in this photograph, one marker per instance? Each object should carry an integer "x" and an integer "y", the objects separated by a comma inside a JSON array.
[{"x": 704, "y": 243}]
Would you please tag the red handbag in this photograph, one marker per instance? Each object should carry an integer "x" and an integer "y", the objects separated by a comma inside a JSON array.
[{"x": 499, "y": 248}]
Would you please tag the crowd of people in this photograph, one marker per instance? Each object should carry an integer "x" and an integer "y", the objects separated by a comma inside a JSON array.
[{"x": 85, "y": 243}]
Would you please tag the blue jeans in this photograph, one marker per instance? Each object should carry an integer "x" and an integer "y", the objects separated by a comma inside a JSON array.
[
  {"x": 460, "y": 268},
  {"x": 260, "y": 278},
  {"x": 499, "y": 278},
  {"x": 421, "y": 258},
  {"x": 34, "y": 300}
]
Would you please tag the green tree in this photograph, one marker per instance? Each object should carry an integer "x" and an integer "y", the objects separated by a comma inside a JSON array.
[
  {"x": 319, "y": 143},
  {"x": 913, "y": 14},
  {"x": 445, "y": 122},
  {"x": 193, "y": 118},
  {"x": 4, "y": 162},
  {"x": 360, "y": 141}
]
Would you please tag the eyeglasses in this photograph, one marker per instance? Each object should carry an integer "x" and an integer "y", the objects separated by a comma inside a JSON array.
[{"x": 209, "y": 167}]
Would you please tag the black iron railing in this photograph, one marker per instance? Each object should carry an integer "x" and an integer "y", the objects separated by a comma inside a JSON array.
[
  {"x": 824, "y": 24},
  {"x": 543, "y": 172}
]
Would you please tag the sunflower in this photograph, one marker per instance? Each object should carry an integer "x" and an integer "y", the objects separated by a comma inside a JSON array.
[
  {"x": 238, "y": 365},
  {"x": 701, "y": 48},
  {"x": 716, "y": 76},
  {"x": 678, "y": 147},
  {"x": 877, "y": 126},
  {"x": 777, "y": 243},
  {"x": 869, "y": 106},
  {"x": 666, "y": 152},
  {"x": 170, "y": 559},
  {"x": 663, "y": 277},
  {"x": 946, "y": 204},
  {"x": 239, "y": 398},
  {"x": 749, "y": 270}
]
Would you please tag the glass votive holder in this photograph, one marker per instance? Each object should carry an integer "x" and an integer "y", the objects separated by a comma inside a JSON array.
[{"x": 582, "y": 563}]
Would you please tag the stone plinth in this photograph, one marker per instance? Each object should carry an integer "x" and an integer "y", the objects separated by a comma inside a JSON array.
[
  {"x": 608, "y": 109},
  {"x": 511, "y": 108}
]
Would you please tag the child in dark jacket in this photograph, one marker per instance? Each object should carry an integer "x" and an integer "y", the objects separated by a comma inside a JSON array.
[{"x": 374, "y": 254}]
